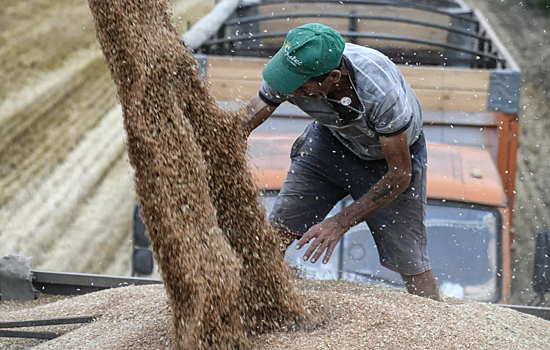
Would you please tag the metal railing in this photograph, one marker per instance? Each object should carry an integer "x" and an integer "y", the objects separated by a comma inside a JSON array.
[
  {"x": 483, "y": 59},
  {"x": 354, "y": 16},
  {"x": 475, "y": 49}
]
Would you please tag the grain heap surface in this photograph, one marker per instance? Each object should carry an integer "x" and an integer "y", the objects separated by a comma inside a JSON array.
[
  {"x": 224, "y": 276},
  {"x": 362, "y": 317}
]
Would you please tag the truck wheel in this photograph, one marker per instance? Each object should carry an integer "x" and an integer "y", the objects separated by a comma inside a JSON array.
[{"x": 142, "y": 262}]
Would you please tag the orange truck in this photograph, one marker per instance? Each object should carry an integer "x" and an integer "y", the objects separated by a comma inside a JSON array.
[{"x": 469, "y": 87}]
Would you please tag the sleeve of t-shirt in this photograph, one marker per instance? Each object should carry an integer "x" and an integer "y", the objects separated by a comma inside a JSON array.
[
  {"x": 394, "y": 114},
  {"x": 269, "y": 96}
]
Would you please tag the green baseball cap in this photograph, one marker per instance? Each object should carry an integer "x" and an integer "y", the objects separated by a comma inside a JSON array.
[{"x": 309, "y": 51}]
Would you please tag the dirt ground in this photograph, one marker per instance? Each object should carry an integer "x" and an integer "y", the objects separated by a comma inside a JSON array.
[{"x": 66, "y": 194}]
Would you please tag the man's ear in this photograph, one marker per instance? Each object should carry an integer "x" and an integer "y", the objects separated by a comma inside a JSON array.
[{"x": 335, "y": 76}]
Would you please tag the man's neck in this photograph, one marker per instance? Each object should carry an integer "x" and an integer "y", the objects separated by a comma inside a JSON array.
[{"x": 343, "y": 87}]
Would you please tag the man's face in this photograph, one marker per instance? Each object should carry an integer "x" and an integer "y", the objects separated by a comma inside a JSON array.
[
  {"x": 315, "y": 89},
  {"x": 312, "y": 89}
]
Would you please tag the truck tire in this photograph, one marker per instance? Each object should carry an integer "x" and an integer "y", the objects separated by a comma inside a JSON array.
[
  {"x": 142, "y": 262},
  {"x": 541, "y": 270}
]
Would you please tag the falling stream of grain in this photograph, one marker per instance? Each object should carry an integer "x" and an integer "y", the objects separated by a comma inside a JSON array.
[{"x": 219, "y": 259}]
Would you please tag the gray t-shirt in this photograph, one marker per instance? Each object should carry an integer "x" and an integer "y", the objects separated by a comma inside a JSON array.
[{"x": 391, "y": 105}]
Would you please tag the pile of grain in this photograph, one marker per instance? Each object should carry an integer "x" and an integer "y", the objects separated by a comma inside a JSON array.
[
  {"x": 362, "y": 317},
  {"x": 223, "y": 273}
]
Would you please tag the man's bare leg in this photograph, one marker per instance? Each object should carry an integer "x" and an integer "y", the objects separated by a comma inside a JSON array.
[{"x": 423, "y": 285}]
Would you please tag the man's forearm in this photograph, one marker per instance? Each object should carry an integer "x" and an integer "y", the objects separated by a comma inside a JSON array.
[
  {"x": 256, "y": 115},
  {"x": 380, "y": 195}
]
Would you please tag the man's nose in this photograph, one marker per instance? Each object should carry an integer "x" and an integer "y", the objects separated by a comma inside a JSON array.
[{"x": 298, "y": 93}]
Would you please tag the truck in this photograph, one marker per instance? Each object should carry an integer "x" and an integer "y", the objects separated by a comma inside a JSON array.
[{"x": 469, "y": 88}]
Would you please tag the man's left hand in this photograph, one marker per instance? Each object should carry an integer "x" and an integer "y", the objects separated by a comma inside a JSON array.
[{"x": 326, "y": 234}]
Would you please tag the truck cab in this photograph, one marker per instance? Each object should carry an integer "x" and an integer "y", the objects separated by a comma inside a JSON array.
[{"x": 467, "y": 208}]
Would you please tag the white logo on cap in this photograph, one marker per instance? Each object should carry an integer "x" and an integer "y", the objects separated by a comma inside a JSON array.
[{"x": 293, "y": 59}]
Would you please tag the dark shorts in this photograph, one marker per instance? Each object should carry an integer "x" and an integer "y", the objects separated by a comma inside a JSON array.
[{"x": 323, "y": 171}]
